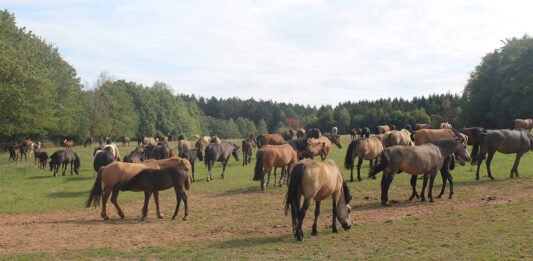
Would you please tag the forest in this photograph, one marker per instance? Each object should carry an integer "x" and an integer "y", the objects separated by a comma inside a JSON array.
[{"x": 42, "y": 97}]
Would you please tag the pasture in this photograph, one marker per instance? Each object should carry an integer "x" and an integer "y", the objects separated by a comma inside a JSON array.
[{"x": 43, "y": 217}]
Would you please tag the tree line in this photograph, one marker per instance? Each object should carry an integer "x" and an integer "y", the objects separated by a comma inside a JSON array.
[{"x": 42, "y": 97}]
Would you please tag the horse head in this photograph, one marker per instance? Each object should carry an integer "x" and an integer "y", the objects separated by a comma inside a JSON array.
[
  {"x": 461, "y": 151},
  {"x": 343, "y": 207},
  {"x": 235, "y": 152}
]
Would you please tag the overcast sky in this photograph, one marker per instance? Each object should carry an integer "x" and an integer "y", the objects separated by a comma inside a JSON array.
[{"x": 309, "y": 52}]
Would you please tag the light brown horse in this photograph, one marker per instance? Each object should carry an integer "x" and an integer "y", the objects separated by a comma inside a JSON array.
[
  {"x": 317, "y": 181},
  {"x": 446, "y": 125},
  {"x": 421, "y": 126},
  {"x": 327, "y": 139},
  {"x": 380, "y": 129},
  {"x": 118, "y": 172},
  {"x": 425, "y": 160},
  {"x": 526, "y": 124},
  {"x": 274, "y": 156},
  {"x": 68, "y": 144},
  {"x": 270, "y": 139},
  {"x": 364, "y": 149},
  {"x": 395, "y": 137}
]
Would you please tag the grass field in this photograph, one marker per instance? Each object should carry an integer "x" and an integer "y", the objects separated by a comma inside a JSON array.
[{"x": 43, "y": 217}]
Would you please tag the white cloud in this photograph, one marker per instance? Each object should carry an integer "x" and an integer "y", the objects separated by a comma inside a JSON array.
[{"x": 310, "y": 52}]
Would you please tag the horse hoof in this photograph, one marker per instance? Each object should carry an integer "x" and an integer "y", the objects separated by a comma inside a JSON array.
[
  {"x": 160, "y": 216},
  {"x": 334, "y": 230},
  {"x": 491, "y": 178},
  {"x": 105, "y": 218},
  {"x": 314, "y": 233},
  {"x": 477, "y": 178},
  {"x": 431, "y": 201},
  {"x": 185, "y": 218},
  {"x": 439, "y": 196}
]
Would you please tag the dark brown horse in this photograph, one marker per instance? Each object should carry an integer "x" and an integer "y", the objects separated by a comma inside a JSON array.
[
  {"x": 88, "y": 142},
  {"x": 353, "y": 134},
  {"x": 274, "y": 156},
  {"x": 191, "y": 156},
  {"x": 151, "y": 181},
  {"x": 425, "y": 160},
  {"x": 363, "y": 132},
  {"x": 287, "y": 135},
  {"x": 136, "y": 156},
  {"x": 314, "y": 133},
  {"x": 247, "y": 147},
  {"x": 505, "y": 141},
  {"x": 62, "y": 158}
]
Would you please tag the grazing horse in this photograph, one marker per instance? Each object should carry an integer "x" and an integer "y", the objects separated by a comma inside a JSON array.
[
  {"x": 102, "y": 158},
  {"x": 317, "y": 181},
  {"x": 88, "y": 142},
  {"x": 118, "y": 172},
  {"x": 446, "y": 125},
  {"x": 287, "y": 135},
  {"x": 270, "y": 139},
  {"x": 424, "y": 160},
  {"x": 421, "y": 126},
  {"x": 526, "y": 124},
  {"x": 364, "y": 149},
  {"x": 219, "y": 152},
  {"x": 327, "y": 139},
  {"x": 151, "y": 181},
  {"x": 314, "y": 133},
  {"x": 300, "y": 133},
  {"x": 516, "y": 142},
  {"x": 395, "y": 137},
  {"x": 247, "y": 146},
  {"x": 43, "y": 159},
  {"x": 126, "y": 140},
  {"x": 62, "y": 158},
  {"x": 274, "y": 156},
  {"x": 136, "y": 155},
  {"x": 380, "y": 129},
  {"x": 68, "y": 143}
]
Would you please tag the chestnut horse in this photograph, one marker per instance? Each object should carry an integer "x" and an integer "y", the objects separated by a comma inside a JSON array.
[
  {"x": 270, "y": 139},
  {"x": 274, "y": 156},
  {"x": 317, "y": 181},
  {"x": 118, "y": 172}
]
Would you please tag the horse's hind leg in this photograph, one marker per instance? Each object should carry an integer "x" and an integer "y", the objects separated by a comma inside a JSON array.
[
  {"x": 431, "y": 181},
  {"x": 103, "y": 213},
  {"x": 444, "y": 175},
  {"x": 413, "y": 186},
  {"x": 514, "y": 170},
  {"x": 359, "y": 163},
  {"x": 114, "y": 197},
  {"x": 147, "y": 195},
  {"x": 156, "y": 199},
  {"x": 314, "y": 232},
  {"x": 422, "y": 194},
  {"x": 489, "y": 160},
  {"x": 450, "y": 179},
  {"x": 301, "y": 216}
]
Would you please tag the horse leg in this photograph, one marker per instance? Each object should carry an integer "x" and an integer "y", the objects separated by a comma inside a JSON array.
[
  {"x": 147, "y": 195},
  {"x": 186, "y": 205},
  {"x": 372, "y": 164},
  {"x": 103, "y": 213},
  {"x": 413, "y": 186},
  {"x": 64, "y": 168},
  {"x": 179, "y": 196},
  {"x": 422, "y": 194},
  {"x": 301, "y": 216},
  {"x": 334, "y": 216},
  {"x": 359, "y": 163},
  {"x": 515, "y": 165},
  {"x": 489, "y": 160},
  {"x": 450, "y": 179},
  {"x": 265, "y": 170},
  {"x": 444, "y": 175},
  {"x": 192, "y": 165},
  {"x": 431, "y": 181},
  {"x": 223, "y": 168},
  {"x": 114, "y": 197},
  {"x": 314, "y": 232},
  {"x": 156, "y": 199},
  {"x": 479, "y": 161},
  {"x": 386, "y": 180}
]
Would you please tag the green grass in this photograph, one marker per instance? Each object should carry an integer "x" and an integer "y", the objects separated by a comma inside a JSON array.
[{"x": 482, "y": 231}]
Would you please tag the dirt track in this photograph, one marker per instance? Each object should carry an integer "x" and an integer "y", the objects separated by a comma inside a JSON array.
[{"x": 210, "y": 219}]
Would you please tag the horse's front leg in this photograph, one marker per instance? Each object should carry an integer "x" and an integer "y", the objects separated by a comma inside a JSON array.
[
  {"x": 147, "y": 195},
  {"x": 488, "y": 161},
  {"x": 156, "y": 199},
  {"x": 444, "y": 174},
  {"x": 359, "y": 164},
  {"x": 314, "y": 232},
  {"x": 425, "y": 183},
  {"x": 431, "y": 181},
  {"x": 223, "y": 167},
  {"x": 413, "y": 186}
]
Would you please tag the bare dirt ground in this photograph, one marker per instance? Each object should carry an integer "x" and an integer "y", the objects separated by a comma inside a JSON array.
[{"x": 215, "y": 218}]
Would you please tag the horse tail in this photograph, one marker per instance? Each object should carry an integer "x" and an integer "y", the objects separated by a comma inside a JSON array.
[
  {"x": 383, "y": 163},
  {"x": 350, "y": 154},
  {"x": 187, "y": 183},
  {"x": 475, "y": 149},
  {"x": 259, "y": 141},
  {"x": 96, "y": 191},
  {"x": 207, "y": 156},
  {"x": 413, "y": 136},
  {"x": 259, "y": 165},
  {"x": 292, "y": 195}
]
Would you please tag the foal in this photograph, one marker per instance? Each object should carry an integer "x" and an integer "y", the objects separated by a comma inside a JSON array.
[{"x": 153, "y": 180}]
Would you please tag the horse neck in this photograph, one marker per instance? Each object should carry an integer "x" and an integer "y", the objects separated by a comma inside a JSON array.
[{"x": 446, "y": 147}]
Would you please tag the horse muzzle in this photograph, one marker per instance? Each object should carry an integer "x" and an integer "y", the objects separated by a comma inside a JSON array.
[{"x": 346, "y": 226}]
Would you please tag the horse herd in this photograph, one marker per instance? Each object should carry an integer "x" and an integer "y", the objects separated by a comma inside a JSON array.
[{"x": 153, "y": 166}]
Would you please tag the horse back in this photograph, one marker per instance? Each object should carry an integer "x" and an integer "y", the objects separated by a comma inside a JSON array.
[{"x": 321, "y": 180}]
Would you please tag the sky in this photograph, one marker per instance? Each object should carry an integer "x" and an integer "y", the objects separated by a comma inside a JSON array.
[{"x": 307, "y": 52}]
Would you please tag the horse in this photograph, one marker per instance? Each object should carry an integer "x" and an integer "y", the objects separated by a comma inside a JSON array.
[
  {"x": 421, "y": 126},
  {"x": 43, "y": 159},
  {"x": 151, "y": 181},
  {"x": 68, "y": 143},
  {"x": 516, "y": 142},
  {"x": 112, "y": 147},
  {"x": 36, "y": 147},
  {"x": 327, "y": 139},
  {"x": 363, "y": 132},
  {"x": 300, "y": 133},
  {"x": 353, "y": 134},
  {"x": 88, "y": 142},
  {"x": 135, "y": 156},
  {"x": 364, "y": 149},
  {"x": 126, "y": 140},
  {"x": 314, "y": 133},
  {"x": 395, "y": 137},
  {"x": 334, "y": 130},
  {"x": 317, "y": 181},
  {"x": 380, "y": 129},
  {"x": 446, "y": 125},
  {"x": 14, "y": 153},
  {"x": 270, "y": 139},
  {"x": 472, "y": 134},
  {"x": 118, "y": 172},
  {"x": 215, "y": 139},
  {"x": 300, "y": 145},
  {"x": 526, "y": 124},
  {"x": 287, "y": 135},
  {"x": 161, "y": 151},
  {"x": 191, "y": 156},
  {"x": 219, "y": 152},
  {"x": 183, "y": 145},
  {"x": 62, "y": 158},
  {"x": 274, "y": 156},
  {"x": 102, "y": 158},
  {"x": 424, "y": 160},
  {"x": 247, "y": 146}
]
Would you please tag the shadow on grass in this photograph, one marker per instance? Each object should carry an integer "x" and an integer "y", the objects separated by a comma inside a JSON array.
[
  {"x": 77, "y": 178},
  {"x": 115, "y": 221},
  {"x": 245, "y": 190},
  {"x": 252, "y": 242},
  {"x": 41, "y": 177},
  {"x": 67, "y": 194}
]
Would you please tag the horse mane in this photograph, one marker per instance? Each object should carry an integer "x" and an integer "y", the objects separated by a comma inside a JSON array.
[{"x": 346, "y": 192}]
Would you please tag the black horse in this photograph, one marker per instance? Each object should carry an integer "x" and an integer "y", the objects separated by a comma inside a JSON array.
[
  {"x": 192, "y": 155},
  {"x": 363, "y": 132},
  {"x": 219, "y": 152},
  {"x": 314, "y": 133},
  {"x": 43, "y": 159},
  {"x": 287, "y": 135},
  {"x": 102, "y": 158},
  {"x": 505, "y": 141},
  {"x": 62, "y": 158}
]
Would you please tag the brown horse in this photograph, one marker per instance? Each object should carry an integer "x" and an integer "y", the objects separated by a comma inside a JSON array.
[
  {"x": 68, "y": 144},
  {"x": 247, "y": 147},
  {"x": 118, "y": 172},
  {"x": 421, "y": 126},
  {"x": 380, "y": 129},
  {"x": 327, "y": 139},
  {"x": 88, "y": 142},
  {"x": 446, "y": 125},
  {"x": 183, "y": 145},
  {"x": 472, "y": 133},
  {"x": 317, "y": 181},
  {"x": 274, "y": 156},
  {"x": 151, "y": 181},
  {"x": 365, "y": 149},
  {"x": 126, "y": 140},
  {"x": 516, "y": 142},
  {"x": 395, "y": 137},
  {"x": 353, "y": 134},
  {"x": 270, "y": 139},
  {"x": 526, "y": 124},
  {"x": 424, "y": 160}
]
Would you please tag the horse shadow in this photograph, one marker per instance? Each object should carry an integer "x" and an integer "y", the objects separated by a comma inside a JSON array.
[
  {"x": 252, "y": 242},
  {"x": 66, "y": 194},
  {"x": 77, "y": 178},
  {"x": 245, "y": 190},
  {"x": 41, "y": 177}
]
